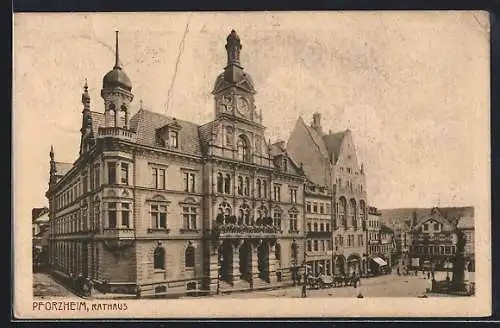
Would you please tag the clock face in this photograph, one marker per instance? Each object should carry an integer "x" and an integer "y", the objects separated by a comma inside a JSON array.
[{"x": 243, "y": 105}]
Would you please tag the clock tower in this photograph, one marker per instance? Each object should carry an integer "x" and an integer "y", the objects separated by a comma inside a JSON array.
[
  {"x": 234, "y": 88},
  {"x": 236, "y": 119}
]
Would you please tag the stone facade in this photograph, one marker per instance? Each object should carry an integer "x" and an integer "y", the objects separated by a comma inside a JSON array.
[
  {"x": 319, "y": 229},
  {"x": 330, "y": 159},
  {"x": 158, "y": 206}
]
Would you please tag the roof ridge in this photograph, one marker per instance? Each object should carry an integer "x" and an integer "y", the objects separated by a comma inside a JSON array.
[{"x": 311, "y": 136}]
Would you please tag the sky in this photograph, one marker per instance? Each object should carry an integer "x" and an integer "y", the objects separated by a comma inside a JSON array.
[{"x": 412, "y": 87}]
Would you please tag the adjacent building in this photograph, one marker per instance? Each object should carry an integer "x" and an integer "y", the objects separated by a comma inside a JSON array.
[
  {"x": 330, "y": 159},
  {"x": 319, "y": 232},
  {"x": 155, "y": 205},
  {"x": 380, "y": 243},
  {"x": 40, "y": 227},
  {"x": 466, "y": 224},
  {"x": 434, "y": 241}
]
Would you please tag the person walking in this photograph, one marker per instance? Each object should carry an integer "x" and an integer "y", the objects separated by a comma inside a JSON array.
[{"x": 304, "y": 290}]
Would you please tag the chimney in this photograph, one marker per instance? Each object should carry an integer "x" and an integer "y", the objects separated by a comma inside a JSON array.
[{"x": 316, "y": 123}]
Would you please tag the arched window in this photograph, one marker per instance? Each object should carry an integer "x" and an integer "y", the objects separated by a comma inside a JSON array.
[
  {"x": 220, "y": 183},
  {"x": 259, "y": 190},
  {"x": 277, "y": 218},
  {"x": 352, "y": 213},
  {"x": 225, "y": 210},
  {"x": 227, "y": 184},
  {"x": 240, "y": 186},
  {"x": 159, "y": 258},
  {"x": 246, "y": 187},
  {"x": 342, "y": 211},
  {"x": 362, "y": 210},
  {"x": 189, "y": 256},
  {"x": 245, "y": 214},
  {"x": 243, "y": 148}
]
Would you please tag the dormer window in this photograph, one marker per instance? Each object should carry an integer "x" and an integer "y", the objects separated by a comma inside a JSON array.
[
  {"x": 168, "y": 135},
  {"x": 173, "y": 139}
]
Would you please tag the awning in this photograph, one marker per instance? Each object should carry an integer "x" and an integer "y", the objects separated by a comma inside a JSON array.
[{"x": 379, "y": 261}]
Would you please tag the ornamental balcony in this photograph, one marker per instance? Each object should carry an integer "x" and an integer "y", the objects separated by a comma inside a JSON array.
[
  {"x": 229, "y": 230},
  {"x": 318, "y": 234},
  {"x": 119, "y": 233},
  {"x": 117, "y": 132}
]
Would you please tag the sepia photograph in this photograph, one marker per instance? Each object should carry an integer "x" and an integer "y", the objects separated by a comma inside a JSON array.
[{"x": 238, "y": 164}]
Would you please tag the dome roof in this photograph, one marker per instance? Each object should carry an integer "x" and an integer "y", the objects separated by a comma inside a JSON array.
[
  {"x": 232, "y": 77},
  {"x": 116, "y": 78}
]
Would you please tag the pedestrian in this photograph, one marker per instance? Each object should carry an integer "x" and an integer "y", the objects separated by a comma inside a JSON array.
[
  {"x": 428, "y": 275},
  {"x": 304, "y": 290},
  {"x": 397, "y": 270}
]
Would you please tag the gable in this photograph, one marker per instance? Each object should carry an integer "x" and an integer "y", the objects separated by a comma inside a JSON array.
[
  {"x": 304, "y": 149},
  {"x": 347, "y": 156}
]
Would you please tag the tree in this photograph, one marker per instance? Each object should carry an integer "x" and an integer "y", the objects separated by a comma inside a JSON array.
[{"x": 457, "y": 282}]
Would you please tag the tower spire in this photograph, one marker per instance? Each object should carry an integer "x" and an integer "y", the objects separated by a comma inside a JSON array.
[
  {"x": 233, "y": 48},
  {"x": 117, "y": 53},
  {"x": 85, "y": 96}
]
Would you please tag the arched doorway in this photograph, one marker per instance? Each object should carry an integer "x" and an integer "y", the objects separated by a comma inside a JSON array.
[
  {"x": 226, "y": 260},
  {"x": 263, "y": 261},
  {"x": 339, "y": 267},
  {"x": 245, "y": 254},
  {"x": 354, "y": 264}
]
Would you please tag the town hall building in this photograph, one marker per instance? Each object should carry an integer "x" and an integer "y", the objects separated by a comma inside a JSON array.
[{"x": 155, "y": 205}]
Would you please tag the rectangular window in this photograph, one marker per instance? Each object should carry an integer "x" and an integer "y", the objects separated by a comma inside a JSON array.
[
  {"x": 309, "y": 245},
  {"x": 327, "y": 209},
  {"x": 308, "y": 207},
  {"x": 126, "y": 215},
  {"x": 426, "y": 227},
  {"x": 321, "y": 227},
  {"x": 159, "y": 216},
  {"x": 124, "y": 173},
  {"x": 330, "y": 245},
  {"x": 157, "y": 178},
  {"x": 111, "y": 215},
  {"x": 321, "y": 209},
  {"x": 328, "y": 227},
  {"x": 111, "y": 173},
  {"x": 277, "y": 193},
  {"x": 293, "y": 222},
  {"x": 189, "y": 182},
  {"x": 315, "y": 207},
  {"x": 293, "y": 196},
  {"x": 189, "y": 217},
  {"x": 315, "y": 245},
  {"x": 322, "y": 245},
  {"x": 309, "y": 226},
  {"x": 436, "y": 226},
  {"x": 173, "y": 139},
  {"x": 360, "y": 240}
]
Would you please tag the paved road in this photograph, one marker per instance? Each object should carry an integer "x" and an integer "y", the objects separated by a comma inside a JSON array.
[
  {"x": 381, "y": 286},
  {"x": 45, "y": 286}
]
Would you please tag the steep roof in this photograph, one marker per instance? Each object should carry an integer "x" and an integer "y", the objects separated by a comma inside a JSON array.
[
  {"x": 316, "y": 137},
  {"x": 333, "y": 142},
  {"x": 97, "y": 120},
  {"x": 145, "y": 123},
  {"x": 63, "y": 168}
]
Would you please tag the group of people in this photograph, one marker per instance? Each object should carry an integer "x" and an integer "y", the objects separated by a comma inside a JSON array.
[
  {"x": 354, "y": 278},
  {"x": 405, "y": 271}
]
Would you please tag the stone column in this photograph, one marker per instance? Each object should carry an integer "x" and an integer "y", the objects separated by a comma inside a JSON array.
[
  {"x": 213, "y": 267},
  {"x": 272, "y": 264},
  {"x": 253, "y": 270},
  {"x": 234, "y": 271}
]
